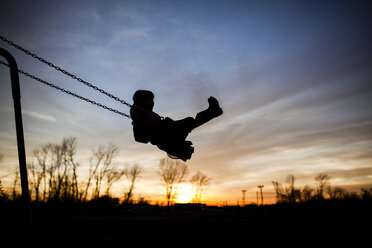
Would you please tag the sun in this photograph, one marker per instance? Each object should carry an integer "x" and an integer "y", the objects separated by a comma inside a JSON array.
[{"x": 184, "y": 194}]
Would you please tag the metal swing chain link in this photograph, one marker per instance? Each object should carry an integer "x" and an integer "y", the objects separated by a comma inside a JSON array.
[
  {"x": 64, "y": 71},
  {"x": 68, "y": 92}
]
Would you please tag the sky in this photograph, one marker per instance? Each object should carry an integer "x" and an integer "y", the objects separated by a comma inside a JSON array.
[{"x": 293, "y": 78}]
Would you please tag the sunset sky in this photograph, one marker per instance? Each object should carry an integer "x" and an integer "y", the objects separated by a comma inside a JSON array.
[{"x": 293, "y": 78}]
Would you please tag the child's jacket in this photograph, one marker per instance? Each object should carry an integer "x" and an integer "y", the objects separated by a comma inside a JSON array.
[{"x": 145, "y": 124}]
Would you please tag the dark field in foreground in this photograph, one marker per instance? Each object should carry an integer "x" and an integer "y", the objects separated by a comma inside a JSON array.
[{"x": 310, "y": 222}]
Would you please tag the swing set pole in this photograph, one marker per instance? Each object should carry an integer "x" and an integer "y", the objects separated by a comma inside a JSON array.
[{"x": 16, "y": 94}]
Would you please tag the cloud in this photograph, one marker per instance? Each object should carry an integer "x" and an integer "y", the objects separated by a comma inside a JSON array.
[
  {"x": 128, "y": 34},
  {"x": 39, "y": 116}
]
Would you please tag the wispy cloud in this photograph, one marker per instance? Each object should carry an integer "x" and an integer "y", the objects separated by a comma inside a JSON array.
[
  {"x": 39, "y": 116},
  {"x": 129, "y": 34}
]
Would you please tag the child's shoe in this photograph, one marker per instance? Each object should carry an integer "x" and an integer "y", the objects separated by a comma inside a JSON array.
[
  {"x": 214, "y": 107},
  {"x": 214, "y": 110}
]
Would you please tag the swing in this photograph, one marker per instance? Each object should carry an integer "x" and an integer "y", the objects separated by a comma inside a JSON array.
[
  {"x": 70, "y": 75},
  {"x": 169, "y": 136}
]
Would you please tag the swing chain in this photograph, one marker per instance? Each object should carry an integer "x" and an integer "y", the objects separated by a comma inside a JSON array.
[
  {"x": 64, "y": 71},
  {"x": 68, "y": 92}
]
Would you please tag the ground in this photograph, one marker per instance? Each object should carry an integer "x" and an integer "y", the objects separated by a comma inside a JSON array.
[{"x": 312, "y": 222}]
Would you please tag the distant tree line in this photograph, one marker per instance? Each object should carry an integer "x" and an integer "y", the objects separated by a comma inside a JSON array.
[
  {"x": 290, "y": 194},
  {"x": 53, "y": 175}
]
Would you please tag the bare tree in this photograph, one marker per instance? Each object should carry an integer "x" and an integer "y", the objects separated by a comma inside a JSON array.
[
  {"x": 307, "y": 193},
  {"x": 292, "y": 193},
  {"x": 15, "y": 183},
  {"x": 131, "y": 174},
  {"x": 321, "y": 181},
  {"x": 2, "y": 192},
  {"x": 366, "y": 193},
  {"x": 3, "y": 195},
  {"x": 172, "y": 173},
  {"x": 55, "y": 173},
  {"x": 337, "y": 193},
  {"x": 61, "y": 163},
  {"x": 105, "y": 156},
  {"x": 199, "y": 181},
  {"x": 56, "y": 169},
  {"x": 41, "y": 157},
  {"x": 94, "y": 162},
  {"x": 279, "y": 192},
  {"x": 289, "y": 180},
  {"x": 71, "y": 144},
  {"x": 36, "y": 177},
  {"x": 113, "y": 175}
]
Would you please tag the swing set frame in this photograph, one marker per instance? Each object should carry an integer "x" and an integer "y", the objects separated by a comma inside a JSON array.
[{"x": 16, "y": 94}]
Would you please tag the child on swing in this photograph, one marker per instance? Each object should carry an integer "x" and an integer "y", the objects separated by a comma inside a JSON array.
[{"x": 167, "y": 134}]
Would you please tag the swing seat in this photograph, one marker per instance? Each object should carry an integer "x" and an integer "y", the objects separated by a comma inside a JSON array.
[{"x": 183, "y": 150}]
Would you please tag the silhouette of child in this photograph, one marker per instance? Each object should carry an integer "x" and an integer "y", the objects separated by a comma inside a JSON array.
[{"x": 167, "y": 134}]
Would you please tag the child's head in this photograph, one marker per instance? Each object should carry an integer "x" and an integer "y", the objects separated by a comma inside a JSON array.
[{"x": 144, "y": 98}]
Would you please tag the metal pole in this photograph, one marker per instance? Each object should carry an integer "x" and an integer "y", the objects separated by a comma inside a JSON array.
[
  {"x": 16, "y": 94},
  {"x": 243, "y": 191},
  {"x": 260, "y": 187}
]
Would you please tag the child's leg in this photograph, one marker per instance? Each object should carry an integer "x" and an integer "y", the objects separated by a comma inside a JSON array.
[
  {"x": 172, "y": 138},
  {"x": 180, "y": 129}
]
